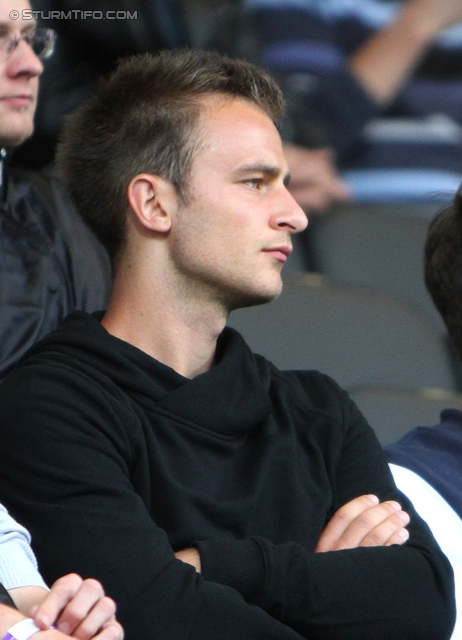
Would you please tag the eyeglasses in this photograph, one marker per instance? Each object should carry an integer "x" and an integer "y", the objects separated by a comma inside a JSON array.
[{"x": 41, "y": 41}]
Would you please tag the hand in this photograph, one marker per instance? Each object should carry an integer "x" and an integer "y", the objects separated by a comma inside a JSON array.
[
  {"x": 190, "y": 556},
  {"x": 435, "y": 14},
  {"x": 364, "y": 522},
  {"x": 314, "y": 181},
  {"x": 78, "y": 608}
]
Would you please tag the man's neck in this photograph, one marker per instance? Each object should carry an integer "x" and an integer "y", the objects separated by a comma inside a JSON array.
[{"x": 180, "y": 331}]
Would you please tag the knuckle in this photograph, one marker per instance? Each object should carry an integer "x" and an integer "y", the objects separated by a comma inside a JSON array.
[
  {"x": 72, "y": 580},
  {"x": 66, "y": 585},
  {"x": 376, "y": 538},
  {"x": 396, "y": 520},
  {"x": 348, "y": 510},
  {"x": 385, "y": 510},
  {"x": 108, "y": 606},
  {"x": 364, "y": 520},
  {"x": 118, "y": 632},
  {"x": 341, "y": 515},
  {"x": 400, "y": 537},
  {"x": 94, "y": 587}
]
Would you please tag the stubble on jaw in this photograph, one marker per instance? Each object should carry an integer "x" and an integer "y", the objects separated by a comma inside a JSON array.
[{"x": 16, "y": 124}]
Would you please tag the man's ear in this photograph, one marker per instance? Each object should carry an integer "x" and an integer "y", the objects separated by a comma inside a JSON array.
[{"x": 153, "y": 200}]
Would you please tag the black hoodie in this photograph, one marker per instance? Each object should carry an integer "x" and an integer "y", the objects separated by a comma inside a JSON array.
[{"x": 113, "y": 461}]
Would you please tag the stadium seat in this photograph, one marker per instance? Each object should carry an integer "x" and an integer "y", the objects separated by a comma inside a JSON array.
[{"x": 357, "y": 336}]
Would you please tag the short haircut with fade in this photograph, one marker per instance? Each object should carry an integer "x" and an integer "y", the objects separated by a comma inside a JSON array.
[
  {"x": 142, "y": 120},
  {"x": 443, "y": 268}
]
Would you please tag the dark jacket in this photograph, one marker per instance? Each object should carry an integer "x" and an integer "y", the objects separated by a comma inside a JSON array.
[{"x": 50, "y": 263}]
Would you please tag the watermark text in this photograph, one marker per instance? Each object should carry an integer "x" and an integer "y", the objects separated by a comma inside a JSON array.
[{"x": 74, "y": 14}]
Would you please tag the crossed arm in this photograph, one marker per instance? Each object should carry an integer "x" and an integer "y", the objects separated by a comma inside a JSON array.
[
  {"x": 362, "y": 522},
  {"x": 76, "y": 607}
]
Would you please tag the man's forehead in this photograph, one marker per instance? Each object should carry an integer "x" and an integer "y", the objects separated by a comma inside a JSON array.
[
  {"x": 12, "y": 15},
  {"x": 223, "y": 106},
  {"x": 234, "y": 120},
  {"x": 239, "y": 131}
]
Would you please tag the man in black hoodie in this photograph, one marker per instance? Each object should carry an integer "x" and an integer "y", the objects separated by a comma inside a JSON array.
[{"x": 214, "y": 495}]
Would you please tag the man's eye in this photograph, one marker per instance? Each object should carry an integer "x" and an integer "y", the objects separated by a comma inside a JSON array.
[{"x": 254, "y": 183}]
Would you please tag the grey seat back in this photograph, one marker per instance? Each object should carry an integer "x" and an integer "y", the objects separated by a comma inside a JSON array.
[{"x": 357, "y": 336}]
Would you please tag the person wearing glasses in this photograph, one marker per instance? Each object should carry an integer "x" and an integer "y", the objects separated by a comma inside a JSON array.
[{"x": 50, "y": 263}]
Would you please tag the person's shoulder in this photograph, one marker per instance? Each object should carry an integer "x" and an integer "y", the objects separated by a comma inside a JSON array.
[
  {"x": 69, "y": 347},
  {"x": 449, "y": 430},
  {"x": 314, "y": 391},
  {"x": 41, "y": 182},
  {"x": 312, "y": 388}
]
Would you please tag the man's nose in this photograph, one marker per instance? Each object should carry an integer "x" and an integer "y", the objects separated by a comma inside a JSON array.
[
  {"x": 289, "y": 214},
  {"x": 23, "y": 61}
]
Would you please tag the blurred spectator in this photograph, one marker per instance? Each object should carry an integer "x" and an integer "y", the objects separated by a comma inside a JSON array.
[
  {"x": 50, "y": 263},
  {"x": 427, "y": 462},
  {"x": 88, "y": 45},
  {"x": 352, "y": 69}
]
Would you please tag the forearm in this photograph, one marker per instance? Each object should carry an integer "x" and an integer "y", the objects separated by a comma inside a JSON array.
[
  {"x": 18, "y": 566},
  {"x": 327, "y": 595},
  {"x": 10, "y": 617},
  {"x": 386, "y": 61},
  {"x": 359, "y": 592},
  {"x": 25, "y": 598}
]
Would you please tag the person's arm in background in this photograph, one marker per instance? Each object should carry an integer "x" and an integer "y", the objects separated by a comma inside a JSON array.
[
  {"x": 386, "y": 61},
  {"x": 341, "y": 103},
  {"x": 314, "y": 180},
  {"x": 76, "y": 607}
]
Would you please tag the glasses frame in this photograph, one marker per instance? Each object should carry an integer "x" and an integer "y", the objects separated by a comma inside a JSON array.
[{"x": 12, "y": 41}]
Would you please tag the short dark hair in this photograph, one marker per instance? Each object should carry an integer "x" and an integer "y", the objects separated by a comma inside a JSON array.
[
  {"x": 142, "y": 120},
  {"x": 443, "y": 268}
]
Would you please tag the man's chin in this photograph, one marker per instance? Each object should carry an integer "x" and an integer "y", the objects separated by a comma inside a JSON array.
[
  {"x": 253, "y": 298},
  {"x": 13, "y": 137}
]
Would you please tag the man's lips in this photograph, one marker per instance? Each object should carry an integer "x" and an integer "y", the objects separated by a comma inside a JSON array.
[
  {"x": 280, "y": 253},
  {"x": 19, "y": 100}
]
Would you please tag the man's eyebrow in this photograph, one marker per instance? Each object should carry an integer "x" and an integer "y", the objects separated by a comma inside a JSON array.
[
  {"x": 270, "y": 170},
  {"x": 7, "y": 26}
]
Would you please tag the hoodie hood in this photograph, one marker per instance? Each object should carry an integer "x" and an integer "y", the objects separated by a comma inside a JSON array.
[{"x": 239, "y": 378}]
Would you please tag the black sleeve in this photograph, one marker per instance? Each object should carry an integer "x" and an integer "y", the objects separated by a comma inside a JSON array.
[
  {"x": 77, "y": 499},
  {"x": 363, "y": 593}
]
